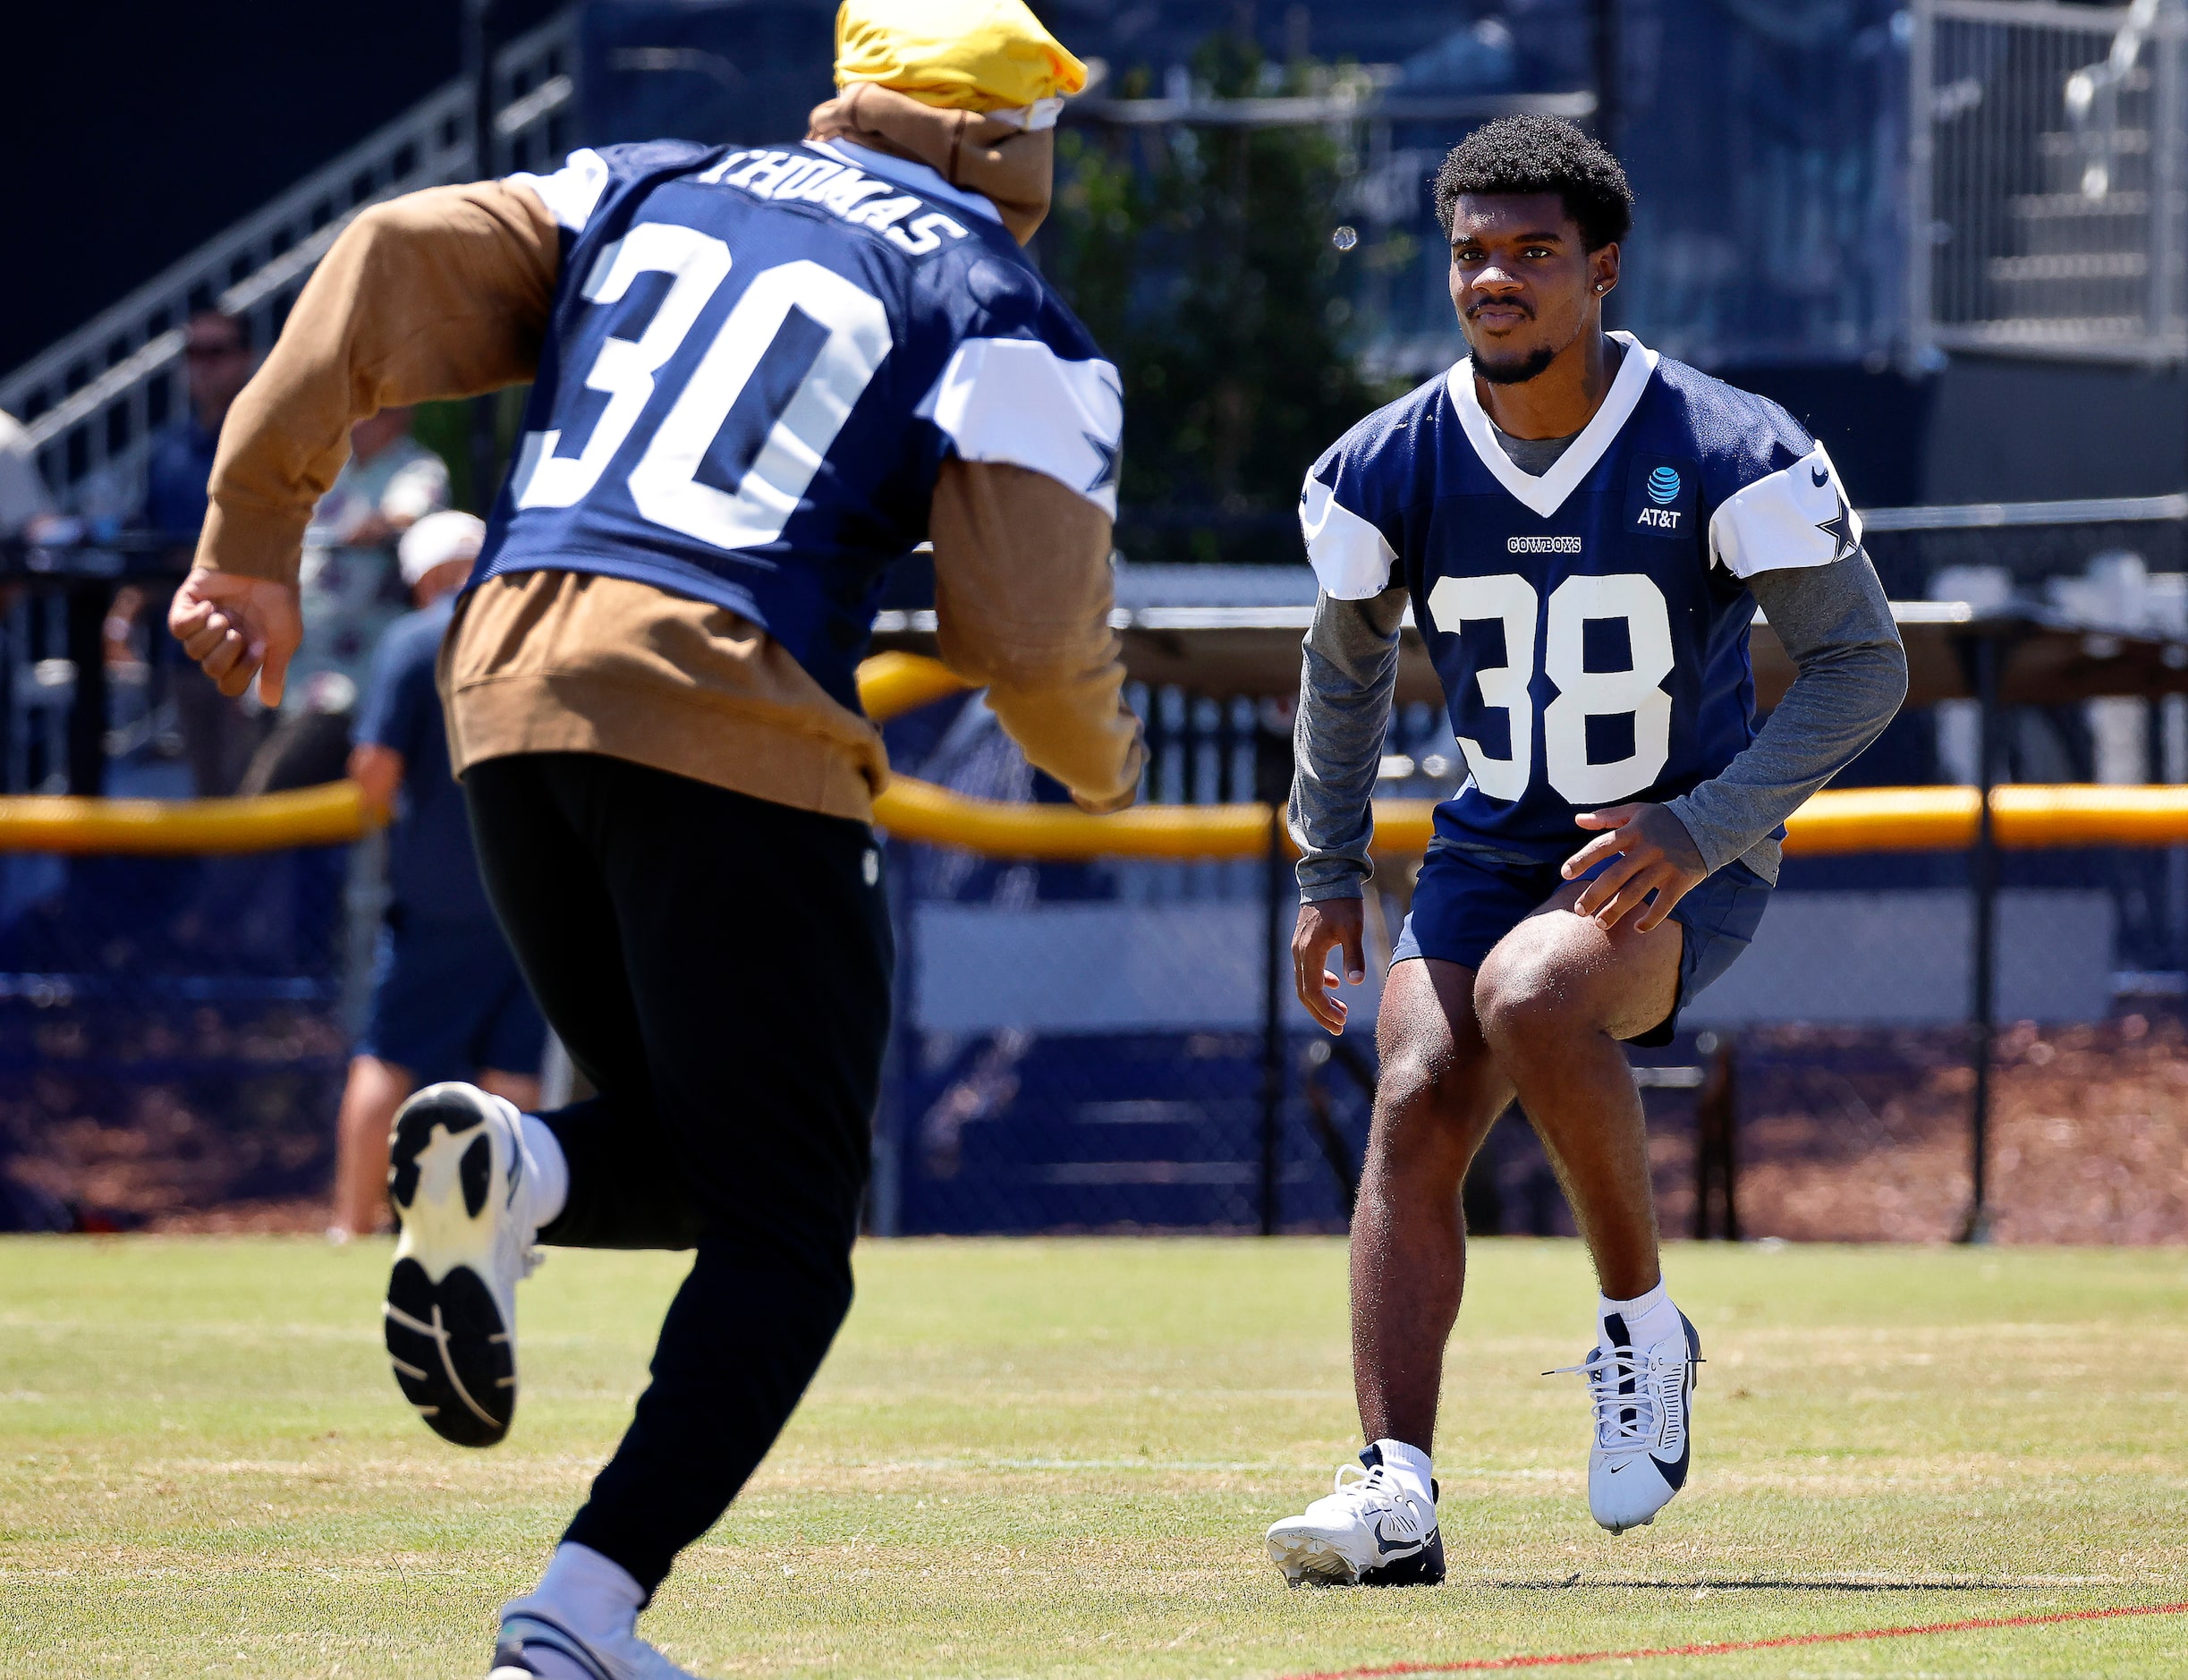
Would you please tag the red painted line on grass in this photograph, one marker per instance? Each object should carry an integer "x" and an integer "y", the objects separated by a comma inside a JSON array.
[{"x": 1713, "y": 1648}]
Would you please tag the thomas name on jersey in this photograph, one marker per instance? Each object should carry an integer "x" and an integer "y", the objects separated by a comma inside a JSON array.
[
  {"x": 801, "y": 178},
  {"x": 1589, "y": 625}
]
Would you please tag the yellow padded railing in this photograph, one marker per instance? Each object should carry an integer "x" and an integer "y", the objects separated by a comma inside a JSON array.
[
  {"x": 1854, "y": 819},
  {"x": 309, "y": 817}
]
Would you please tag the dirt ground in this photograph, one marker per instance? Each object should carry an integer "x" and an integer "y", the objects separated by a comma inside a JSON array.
[
  {"x": 1864, "y": 1136},
  {"x": 1844, "y": 1135}
]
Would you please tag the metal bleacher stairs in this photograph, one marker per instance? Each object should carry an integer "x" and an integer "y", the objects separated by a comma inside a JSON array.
[
  {"x": 2047, "y": 174},
  {"x": 93, "y": 403}
]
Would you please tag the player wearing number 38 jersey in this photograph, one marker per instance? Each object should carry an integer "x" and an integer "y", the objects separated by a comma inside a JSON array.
[
  {"x": 1583, "y": 530},
  {"x": 1588, "y": 624},
  {"x": 759, "y": 376}
]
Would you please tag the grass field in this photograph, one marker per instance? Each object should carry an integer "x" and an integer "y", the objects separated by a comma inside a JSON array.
[{"x": 1055, "y": 1459}]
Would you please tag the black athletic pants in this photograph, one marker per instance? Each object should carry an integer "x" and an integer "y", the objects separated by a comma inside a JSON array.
[{"x": 719, "y": 968}]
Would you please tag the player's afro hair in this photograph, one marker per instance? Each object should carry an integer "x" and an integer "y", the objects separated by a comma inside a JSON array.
[{"x": 1540, "y": 154}]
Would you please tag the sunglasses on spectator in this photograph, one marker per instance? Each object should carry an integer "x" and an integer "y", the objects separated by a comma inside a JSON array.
[{"x": 213, "y": 352}]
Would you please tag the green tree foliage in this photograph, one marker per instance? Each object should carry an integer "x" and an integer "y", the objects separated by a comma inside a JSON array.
[
  {"x": 445, "y": 429},
  {"x": 1202, "y": 260}
]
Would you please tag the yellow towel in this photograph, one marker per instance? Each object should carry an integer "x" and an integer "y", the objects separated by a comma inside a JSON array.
[{"x": 959, "y": 54}]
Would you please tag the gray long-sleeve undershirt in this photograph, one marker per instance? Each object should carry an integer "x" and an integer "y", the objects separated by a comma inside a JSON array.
[{"x": 1833, "y": 620}]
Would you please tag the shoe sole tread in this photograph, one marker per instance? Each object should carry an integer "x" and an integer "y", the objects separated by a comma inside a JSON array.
[{"x": 448, "y": 1341}]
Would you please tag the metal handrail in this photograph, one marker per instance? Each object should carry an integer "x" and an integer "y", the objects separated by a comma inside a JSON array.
[
  {"x": 2111, "y": 510},
  {"x": 85, "y": 401},
  {"x": 1312, "y": 110}
]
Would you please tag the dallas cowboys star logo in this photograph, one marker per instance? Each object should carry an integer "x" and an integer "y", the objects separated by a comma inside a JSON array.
[
  {"x": 1112, "y": 455},
  {"x": 1839, "y": 528}
]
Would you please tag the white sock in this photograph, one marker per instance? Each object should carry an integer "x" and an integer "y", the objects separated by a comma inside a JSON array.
[
  {"x": 1650, "y": 1318},
  {"x": 547, "y": 1170},
  {"x": 594, "y": 1595},
  {"x": 1408, "y": 1467}
]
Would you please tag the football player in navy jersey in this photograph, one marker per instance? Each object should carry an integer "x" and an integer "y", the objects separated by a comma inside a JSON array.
[
  {"x": 759, "y": 376},
  {"x": 1583, "y": 530}
]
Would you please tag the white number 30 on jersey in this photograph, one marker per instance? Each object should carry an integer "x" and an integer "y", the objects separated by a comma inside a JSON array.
[{"x": 1581, "y": 693}]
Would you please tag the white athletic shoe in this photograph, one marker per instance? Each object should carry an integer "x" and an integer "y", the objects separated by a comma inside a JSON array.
[
  {"x": 1642, "y": 1399},
  {"x": 537, "y": 1645},
  {"x": 1367, "y": 1531},
  {"x": 457, "y": 1175}
]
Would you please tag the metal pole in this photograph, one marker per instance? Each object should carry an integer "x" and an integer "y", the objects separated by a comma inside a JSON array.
[
  {"x": 1605, "y": 54},
  {"x": 1921, "y": 251},
  {"x": 885, "y": 1195},
  {"x": 1983, "y": 1002},
  {"x": 89, "y": 599},
  {"x": 2166, "y": 261},
  {"x": 479, "y": 42},
  {"x": 1273, "y": 771},
  {"x": 1275, "y": 898}
]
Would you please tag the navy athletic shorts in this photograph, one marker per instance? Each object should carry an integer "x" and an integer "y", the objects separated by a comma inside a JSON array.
[
  {"x": 1468, "y": 897},
  {"x": 447, "y": 1002}
]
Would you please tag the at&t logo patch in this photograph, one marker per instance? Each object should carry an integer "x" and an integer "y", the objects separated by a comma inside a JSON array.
[{"x": 1660, "y": 497}]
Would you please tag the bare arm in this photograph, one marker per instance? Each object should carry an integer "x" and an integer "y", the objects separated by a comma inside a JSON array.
[{"x": 377, "y": 772}]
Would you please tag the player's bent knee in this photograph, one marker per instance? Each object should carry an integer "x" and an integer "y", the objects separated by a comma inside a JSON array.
[
  {"x": 1519, "y": 1001},
  {"x": 1408, "y": 1091},
  {"x": 1427, "y": 1107}
]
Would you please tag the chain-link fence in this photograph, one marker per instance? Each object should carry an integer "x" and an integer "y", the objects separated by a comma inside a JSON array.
[
  {"x": 172, "y": 1031},
  {"x": 1084, "y": 1046},
  {"x": 1091, "y": 1045}
]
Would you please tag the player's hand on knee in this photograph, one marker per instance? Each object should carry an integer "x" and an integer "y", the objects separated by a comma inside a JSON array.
[
  {"x": 1331, "y": 924},
  {"x": 236, "y": 628},
  {"x": 1650, "y": 852}
]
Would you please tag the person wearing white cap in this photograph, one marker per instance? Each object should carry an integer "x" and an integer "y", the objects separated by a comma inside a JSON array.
[
  {"x": 436, "y": 554},
  {"x": 447, "y": 1000}
]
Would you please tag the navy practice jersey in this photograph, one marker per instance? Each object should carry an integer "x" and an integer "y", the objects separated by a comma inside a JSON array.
[
  {"x": 757, "y": 363},
  {"x": 1589, "y": 626}
]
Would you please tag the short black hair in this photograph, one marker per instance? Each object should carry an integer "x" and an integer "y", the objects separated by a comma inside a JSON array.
[{"x": 1540, "y": 154}]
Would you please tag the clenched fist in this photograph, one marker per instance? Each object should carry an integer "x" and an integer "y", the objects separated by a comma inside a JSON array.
[{"x": 237, "y": 628}]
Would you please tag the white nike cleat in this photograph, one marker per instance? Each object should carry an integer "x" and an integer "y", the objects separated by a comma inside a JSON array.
[
  {"x": 1642, "y": 1399},
  {"x": 456, "y": 1176},
  {"x": 537, "y": 1645},
  {"x": 1369, "y": 1532}
]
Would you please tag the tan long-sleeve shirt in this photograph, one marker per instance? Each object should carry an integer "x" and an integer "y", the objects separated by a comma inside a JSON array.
[{"x": 446, "y": 293}]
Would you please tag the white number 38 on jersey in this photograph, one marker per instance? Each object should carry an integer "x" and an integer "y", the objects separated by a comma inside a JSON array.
[{"x": 1581, "y": 693}]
